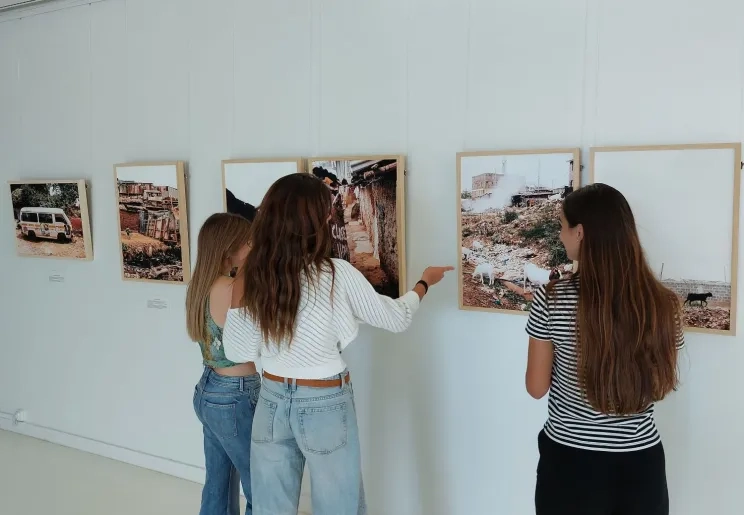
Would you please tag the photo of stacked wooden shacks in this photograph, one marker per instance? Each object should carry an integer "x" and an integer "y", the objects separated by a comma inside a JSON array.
[{"x": 151, "y": 227}]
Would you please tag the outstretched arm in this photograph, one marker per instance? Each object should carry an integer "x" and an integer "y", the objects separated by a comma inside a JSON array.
[{"x": 377, "y": 310}]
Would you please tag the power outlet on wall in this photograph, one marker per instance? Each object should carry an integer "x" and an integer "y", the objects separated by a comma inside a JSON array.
[{"x": 19, "y": 416}]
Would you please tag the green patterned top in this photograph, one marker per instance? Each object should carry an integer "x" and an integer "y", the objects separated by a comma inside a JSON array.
[{"x": 213, "y": 353}]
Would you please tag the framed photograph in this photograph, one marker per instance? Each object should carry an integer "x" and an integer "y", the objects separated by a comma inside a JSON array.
[
  {"x": 51, "y": 219},
  {"x": 685, "y": 199},
  {"x": 153, "y": 223},
  {"x": 368, "y": 224},
  {"x": 246, "y": 181},
  {"x": 508, "y": 209}
]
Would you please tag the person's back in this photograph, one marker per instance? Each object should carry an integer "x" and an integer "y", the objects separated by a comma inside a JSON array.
[
  {"x": 572, "y": 420},
  {"x": 604, "y": 342},
  {"x": 328, "y": 316},
  {"x": 215, "y": 313},
  {"x": 225, "y": 396},
  {"x": 298, "y": 310}
]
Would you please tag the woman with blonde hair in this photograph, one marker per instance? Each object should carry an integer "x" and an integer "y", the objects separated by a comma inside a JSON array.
[
  {"x": 300, "y": 308},
  {"x": 605, "y": 343},
  {"x": 225, "y": 397}
]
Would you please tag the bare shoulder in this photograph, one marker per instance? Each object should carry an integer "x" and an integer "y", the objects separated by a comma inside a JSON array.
[
  {"x": 221, "y": 285},
  {"x": 237, "y": 287},
  {"x": 219, "y": 299}
]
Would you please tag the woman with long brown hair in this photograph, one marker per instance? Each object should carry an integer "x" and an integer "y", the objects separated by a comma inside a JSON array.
[
  {"x": 299, "y": 309},
  {"x": 605, "y": 343},
  {"x": 226, "y": 395}
]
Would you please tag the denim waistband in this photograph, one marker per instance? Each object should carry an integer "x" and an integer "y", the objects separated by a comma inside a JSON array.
[
  {"x": 288, "y": 389},
  {"x": 239, "y": 383}
]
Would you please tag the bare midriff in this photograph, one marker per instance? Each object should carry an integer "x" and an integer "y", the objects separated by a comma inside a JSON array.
[{"x": 239, "y": 370}]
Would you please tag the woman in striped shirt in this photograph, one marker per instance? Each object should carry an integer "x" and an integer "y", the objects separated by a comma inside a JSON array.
[
  {"x": 297, "y": 310},
  {"x": 605, "y": 343}
]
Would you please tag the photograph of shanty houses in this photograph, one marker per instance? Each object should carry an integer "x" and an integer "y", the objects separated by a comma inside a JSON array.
[
  {"x": 246, "y": 181},
  {"x": 685, "y": 200},
  {"x": 153, "y": 227},
  {"x": 508, "y": 206},
  {"x": 51, "y": 220},
  {"x": 367, "y": 224}
]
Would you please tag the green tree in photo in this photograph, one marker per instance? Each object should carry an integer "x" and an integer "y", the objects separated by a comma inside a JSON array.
[{"x": 63, "y": 196}]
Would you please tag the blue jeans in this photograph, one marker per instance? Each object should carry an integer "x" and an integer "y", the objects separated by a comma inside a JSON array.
[
  {"x": 225, "y": 407},
  {"x": 294, "y": 425}
]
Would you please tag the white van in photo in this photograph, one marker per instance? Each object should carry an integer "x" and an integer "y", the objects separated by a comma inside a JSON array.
[{"x": 45, "y": 222}]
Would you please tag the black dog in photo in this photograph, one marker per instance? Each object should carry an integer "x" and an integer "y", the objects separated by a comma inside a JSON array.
[{"x": 701, "y": 298}]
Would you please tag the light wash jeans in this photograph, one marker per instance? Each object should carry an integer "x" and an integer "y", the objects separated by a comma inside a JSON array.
[
  {"x": 294, "y": 425},
  {"x": 225, "y": 407}
]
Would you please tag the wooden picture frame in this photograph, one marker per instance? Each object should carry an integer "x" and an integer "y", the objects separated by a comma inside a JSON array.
[
  {"x": 706, "y": 312},
  {"x": 68, "y": 238},
  {"x": 382, "y": 254},
  {"x": 162, "y": 213},
  {"x": 517, "y": 221},
  {"x": 245, "y": 200}
]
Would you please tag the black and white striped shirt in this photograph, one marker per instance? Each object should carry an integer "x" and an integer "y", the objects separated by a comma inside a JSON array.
[
  {"x": 571, "y": 419},
  {"x": 325, "y": 325}
]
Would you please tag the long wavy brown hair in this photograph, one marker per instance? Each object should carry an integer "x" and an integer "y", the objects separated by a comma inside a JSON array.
[
  {"x": 290, "y": 242},
  {"x": 221, "y": 235},
  {"x": 628, "y": 323}
]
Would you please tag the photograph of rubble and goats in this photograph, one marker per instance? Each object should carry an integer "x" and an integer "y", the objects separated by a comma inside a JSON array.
[{"x": 509, "y": 225}]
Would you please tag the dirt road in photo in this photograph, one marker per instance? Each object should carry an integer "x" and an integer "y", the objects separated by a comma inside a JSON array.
[{"x": 73, "y": 249}]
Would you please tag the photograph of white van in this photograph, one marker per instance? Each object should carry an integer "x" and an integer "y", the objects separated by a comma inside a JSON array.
[
  {"x": 45, "y": 222},
  {"x": 51, "y": 219}
]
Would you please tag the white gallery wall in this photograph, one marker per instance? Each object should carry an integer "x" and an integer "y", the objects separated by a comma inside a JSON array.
[{"x": 446, "y": 425}]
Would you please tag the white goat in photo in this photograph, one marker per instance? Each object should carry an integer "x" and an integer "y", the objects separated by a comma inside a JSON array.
[
  {"x": 539, "y": 276},
  {"x": 483, "y": 270}
]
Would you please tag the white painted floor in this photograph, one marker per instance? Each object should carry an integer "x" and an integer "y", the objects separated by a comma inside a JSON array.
[{"x": 41, "y": 478}]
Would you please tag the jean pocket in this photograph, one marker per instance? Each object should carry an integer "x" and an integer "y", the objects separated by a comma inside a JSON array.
[
  {"x": 323, "y": 429},
  {"x": 263, "y": 421},
  {"x": 221, "y": 418}
]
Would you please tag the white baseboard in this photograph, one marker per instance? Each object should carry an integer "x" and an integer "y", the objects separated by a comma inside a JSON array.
[
  {"x": 137, "y": 458},
  {"x": 160, "y": 464}
]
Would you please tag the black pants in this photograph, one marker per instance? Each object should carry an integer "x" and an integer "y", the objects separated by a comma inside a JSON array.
[{"x": 578, "y": 482}]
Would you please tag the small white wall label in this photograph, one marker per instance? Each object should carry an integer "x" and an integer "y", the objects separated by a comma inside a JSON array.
[
  {"x": 157, "y": 304},
  {"x": 56, "y": 278}
]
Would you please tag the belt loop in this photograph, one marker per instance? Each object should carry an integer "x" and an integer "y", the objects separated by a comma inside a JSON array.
[{"x": 242, "y": 383}]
